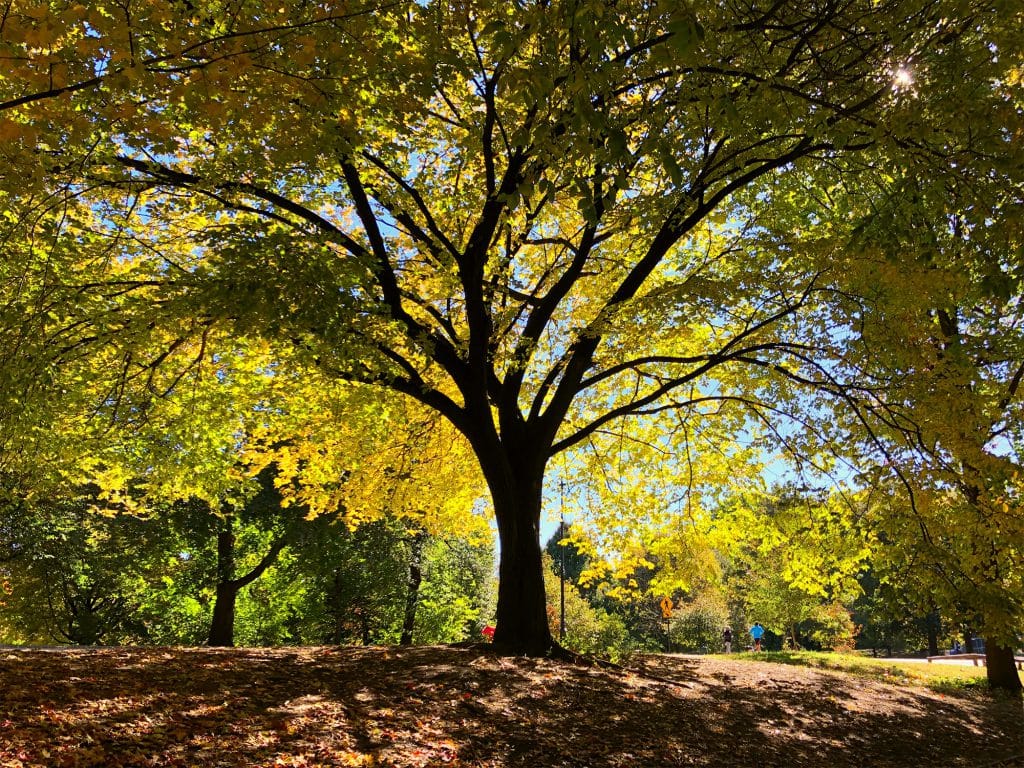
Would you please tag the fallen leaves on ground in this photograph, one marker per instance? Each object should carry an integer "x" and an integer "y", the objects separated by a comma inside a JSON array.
[{"x": 441, "y": 706}]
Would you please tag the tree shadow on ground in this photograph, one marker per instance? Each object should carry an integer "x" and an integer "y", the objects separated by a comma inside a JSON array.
[{"x": 468, "y": 707}]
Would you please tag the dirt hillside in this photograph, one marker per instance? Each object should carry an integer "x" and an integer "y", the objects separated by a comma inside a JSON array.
[{"x": 442, "y": 706}]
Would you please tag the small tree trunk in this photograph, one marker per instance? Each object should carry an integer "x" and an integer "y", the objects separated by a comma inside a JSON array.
[
  {"x": 222, "y": 626},
  {"x": 1001, "y": 668},
  {"x": 336, "y": 612},
  {"x": 932, "y": 623},
  {"x": 364, "y": 623},
  {"x": 412, "y": 594},
  {"x": 86, "y": 625}
]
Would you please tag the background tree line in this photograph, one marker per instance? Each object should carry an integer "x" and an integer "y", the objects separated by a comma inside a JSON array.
[
  {"x": 72, "y": 573},
  {"x": 802, "y": 562}
]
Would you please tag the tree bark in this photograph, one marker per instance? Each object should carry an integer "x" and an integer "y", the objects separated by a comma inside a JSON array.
[
  {"x": 364, "y": 624},
  {"x": 513, "y": 465},
  {"x": 415, "y": 578},
  {"x": 335, "y": 608},
  {"x": 222, "y": 625},
  {"x": 932, "y": 625},
  {"x": 1001, "y": 668},
  {"x": 522, "y": 620}
]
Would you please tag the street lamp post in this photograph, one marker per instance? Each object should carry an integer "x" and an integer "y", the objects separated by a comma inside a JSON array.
[{"x": 561, "y": 555}]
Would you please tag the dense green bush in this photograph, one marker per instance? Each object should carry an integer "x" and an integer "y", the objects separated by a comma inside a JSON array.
[{"x": 696, "y": 626}]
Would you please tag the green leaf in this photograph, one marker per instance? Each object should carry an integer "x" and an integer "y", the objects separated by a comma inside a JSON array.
[{"x": 686, "y": 35}]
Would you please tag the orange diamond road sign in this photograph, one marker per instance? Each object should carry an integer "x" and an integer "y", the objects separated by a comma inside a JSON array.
[{"x": 666, "y": 607}]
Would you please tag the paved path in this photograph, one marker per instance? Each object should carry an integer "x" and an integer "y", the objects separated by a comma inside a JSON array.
[{"x": 944, "y": 660}]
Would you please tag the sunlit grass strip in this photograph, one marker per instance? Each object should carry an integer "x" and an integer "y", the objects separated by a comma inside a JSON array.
[{"x": 938, "y": 675}]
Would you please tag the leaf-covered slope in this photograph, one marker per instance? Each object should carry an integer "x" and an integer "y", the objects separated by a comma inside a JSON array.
[{"x": 465, "y": 707}]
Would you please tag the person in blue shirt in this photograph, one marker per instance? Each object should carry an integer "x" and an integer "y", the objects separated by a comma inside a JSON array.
[{"x": 757, "y": 632}]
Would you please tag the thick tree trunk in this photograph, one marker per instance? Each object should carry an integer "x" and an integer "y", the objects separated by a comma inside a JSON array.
[
  {"x": 222, "y": 625},
  {"x": 513, "y": 461},
  {"x": 412, "y": 594},
  {"x": 522, "y": 619},
  {"x": 1000, "y": 667}
]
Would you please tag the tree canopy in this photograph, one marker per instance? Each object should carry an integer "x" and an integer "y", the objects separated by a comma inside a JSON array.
[{"x": 556, "y": 224}]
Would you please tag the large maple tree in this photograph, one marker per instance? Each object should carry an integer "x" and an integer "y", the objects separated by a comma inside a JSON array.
[{"x": 520, "y": 214}]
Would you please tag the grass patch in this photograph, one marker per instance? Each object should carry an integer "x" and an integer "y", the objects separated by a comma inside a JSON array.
[{"x": 939, "y": 676}]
